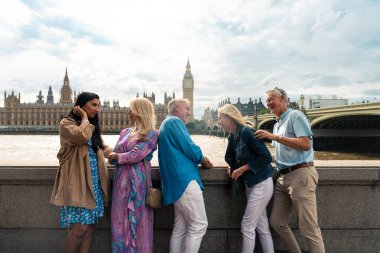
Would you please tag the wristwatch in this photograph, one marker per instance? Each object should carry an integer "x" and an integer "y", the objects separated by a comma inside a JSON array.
[{"x": 279, "y": 138}]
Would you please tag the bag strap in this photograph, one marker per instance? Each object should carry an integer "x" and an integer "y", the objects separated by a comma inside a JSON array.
[{"x": 146, "y": 176}]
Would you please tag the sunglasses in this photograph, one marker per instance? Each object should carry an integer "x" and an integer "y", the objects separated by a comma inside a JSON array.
[{"x": 280, "y": 90}]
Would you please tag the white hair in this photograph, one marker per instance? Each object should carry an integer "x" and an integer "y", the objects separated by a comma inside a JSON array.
[
  {"x": 176, "y": 101},
  {"x": 280, "y": 92}
]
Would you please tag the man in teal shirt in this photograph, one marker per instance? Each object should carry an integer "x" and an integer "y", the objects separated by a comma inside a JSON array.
[{"x": 179, "y": 158}]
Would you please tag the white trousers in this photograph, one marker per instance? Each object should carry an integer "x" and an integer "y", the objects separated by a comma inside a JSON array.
[
  {"x": 190, "y": 223},
  {"x": 255, "y": 217}
]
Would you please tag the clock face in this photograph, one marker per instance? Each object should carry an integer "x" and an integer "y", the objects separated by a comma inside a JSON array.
[{"x": 188, "y": 84}]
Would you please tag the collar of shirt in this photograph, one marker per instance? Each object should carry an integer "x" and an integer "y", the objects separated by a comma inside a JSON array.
[
  {"x": 284, "y": 115},
  {"x": 238, "y": 130}
]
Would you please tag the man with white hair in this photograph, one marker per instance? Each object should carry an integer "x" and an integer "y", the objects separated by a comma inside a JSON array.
[
  {"x": 179, "y": 157},
  {"x": 295, "y": 189}
]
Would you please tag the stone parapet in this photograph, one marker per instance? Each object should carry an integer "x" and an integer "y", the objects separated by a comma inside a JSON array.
[{"x": 348, "y": 211}]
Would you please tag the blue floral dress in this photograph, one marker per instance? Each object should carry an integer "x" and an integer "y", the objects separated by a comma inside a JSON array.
[{"x": 82, "y": 215}]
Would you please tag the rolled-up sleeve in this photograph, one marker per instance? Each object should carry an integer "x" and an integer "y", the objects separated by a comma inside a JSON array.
[
  {"x": 140, "y": 151},
  {"x": 74, "y": 134},
  {"x": 180, "y": 136}
]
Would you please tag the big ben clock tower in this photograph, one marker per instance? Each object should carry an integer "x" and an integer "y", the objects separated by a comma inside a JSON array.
[{"x": 188, "y": 88}]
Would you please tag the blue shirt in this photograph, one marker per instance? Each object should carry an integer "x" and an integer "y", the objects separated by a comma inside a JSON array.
[
  {"x": 178, "y": 157},
  {"x": 293, "y": 124}
]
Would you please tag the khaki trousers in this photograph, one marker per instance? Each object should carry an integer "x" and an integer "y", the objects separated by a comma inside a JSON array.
[{"x": 297, "y": 191}]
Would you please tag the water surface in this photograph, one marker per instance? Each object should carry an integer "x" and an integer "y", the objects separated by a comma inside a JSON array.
[{"x": 36, "y": 150}]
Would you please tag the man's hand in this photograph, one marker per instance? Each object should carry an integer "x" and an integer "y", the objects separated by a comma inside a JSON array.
[
  {"x": 206, "y": 163},
  {"x": 300, "y": 143},
  {"x": 262, "y": 134}
]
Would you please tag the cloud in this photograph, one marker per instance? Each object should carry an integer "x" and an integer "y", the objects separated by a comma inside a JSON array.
[
  {"x": 236, "y": 49},
  {"x": 37, "y": 4},
  {"x": 53, "y": 30},
  {"x": 372, "y": 93},
  {"x": 146, "y": 77}
]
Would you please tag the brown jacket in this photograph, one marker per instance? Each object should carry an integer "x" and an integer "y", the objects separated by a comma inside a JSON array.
[{"x": 73, "y": 183}]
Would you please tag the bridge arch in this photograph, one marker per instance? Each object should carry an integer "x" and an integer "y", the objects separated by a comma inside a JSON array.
[
  {"x": 353, "y": 128},
  {"x": 267, "y": 124},
  {"x": 357, "y": 132},
  {"x": 348, "y": 120}
]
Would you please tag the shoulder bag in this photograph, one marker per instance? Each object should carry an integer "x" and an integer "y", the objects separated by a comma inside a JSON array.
[{"x": 153, "y": 195}]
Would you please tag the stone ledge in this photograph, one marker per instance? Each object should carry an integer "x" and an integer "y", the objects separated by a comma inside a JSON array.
[
  {"x": 228, "y": 241},
  {"x": 327, "y": 175},
  {"x": 348, "y": 212}
]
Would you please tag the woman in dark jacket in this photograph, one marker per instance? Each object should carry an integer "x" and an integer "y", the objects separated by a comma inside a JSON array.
[{"x": 250, "y": 164}]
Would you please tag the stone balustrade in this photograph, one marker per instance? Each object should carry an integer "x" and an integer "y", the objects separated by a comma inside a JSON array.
[{"x": 348, "y": 210}]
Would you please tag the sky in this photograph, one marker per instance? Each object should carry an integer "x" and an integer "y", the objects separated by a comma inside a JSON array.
[{"x": 237, "y": 49}]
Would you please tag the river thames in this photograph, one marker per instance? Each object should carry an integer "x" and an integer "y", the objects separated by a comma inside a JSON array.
[{"x": 37, "y": 150}]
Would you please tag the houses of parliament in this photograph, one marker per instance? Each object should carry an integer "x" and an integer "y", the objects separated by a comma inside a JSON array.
[{"x": 46, "y": 115}]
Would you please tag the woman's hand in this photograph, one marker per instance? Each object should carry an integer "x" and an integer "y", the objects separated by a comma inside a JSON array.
[
  {"x": 112, "y": 156},
  {"x": 229, "y": 171},
  {"x": 237, "y": 173},
  {"x": 79, "y": 112}
]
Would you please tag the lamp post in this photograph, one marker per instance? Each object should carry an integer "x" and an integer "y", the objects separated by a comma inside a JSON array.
[{"x": 255, "y": 116}]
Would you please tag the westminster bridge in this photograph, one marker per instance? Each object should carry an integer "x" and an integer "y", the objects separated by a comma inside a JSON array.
[{"x": 350, "y": 128}]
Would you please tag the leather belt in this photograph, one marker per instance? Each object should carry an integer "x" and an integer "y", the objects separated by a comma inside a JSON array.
[{"x": 296, "y": 167}]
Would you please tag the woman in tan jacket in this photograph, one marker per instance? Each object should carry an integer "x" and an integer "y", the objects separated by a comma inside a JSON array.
[{"x": 81, "y": 186}]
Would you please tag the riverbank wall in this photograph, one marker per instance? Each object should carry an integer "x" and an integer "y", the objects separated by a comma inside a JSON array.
[
  {"x": 348, "y": 212},
  {"x": 40, "y": 130}
]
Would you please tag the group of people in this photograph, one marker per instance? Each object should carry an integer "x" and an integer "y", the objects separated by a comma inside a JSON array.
[{"x": 82, "y": 189}]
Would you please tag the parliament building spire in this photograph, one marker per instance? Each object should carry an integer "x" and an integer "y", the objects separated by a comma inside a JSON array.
[{"x": 66, "y": 92}]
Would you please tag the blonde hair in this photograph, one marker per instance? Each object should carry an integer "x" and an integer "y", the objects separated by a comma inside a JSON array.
[
  {"x": 176, "y": 101},
  {"x": 146, "y": 116},
  {"x": 233, "y": 113}
]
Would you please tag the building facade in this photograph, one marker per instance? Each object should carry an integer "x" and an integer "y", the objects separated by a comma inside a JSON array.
[
  {"x": 246, "y": 109},
  {"x": 188, "y": 88},
  {"x": 161, "y": 109},
  {"x": 313, "y": 103},
  {"x": 46, "y": 115},
  {"x": 210, "y": 116}
]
